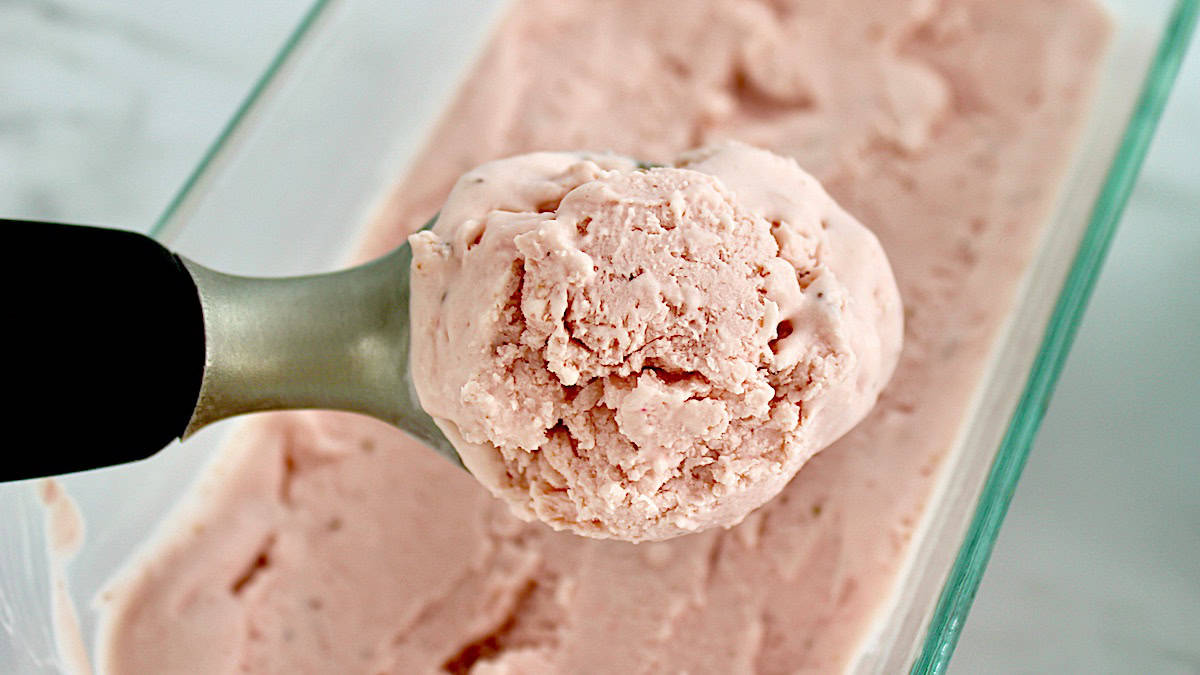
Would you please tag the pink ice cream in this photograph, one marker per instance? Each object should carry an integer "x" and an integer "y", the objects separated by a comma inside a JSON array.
[
  {"x": 330, "y": 543},
  {"x": 639, "y": 354}
]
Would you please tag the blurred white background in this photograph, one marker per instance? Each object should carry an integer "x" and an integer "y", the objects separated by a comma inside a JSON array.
[{"x": 106, "y": 105}]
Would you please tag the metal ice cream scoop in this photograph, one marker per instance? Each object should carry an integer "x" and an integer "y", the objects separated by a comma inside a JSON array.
[{"x": 120, "y": 346}]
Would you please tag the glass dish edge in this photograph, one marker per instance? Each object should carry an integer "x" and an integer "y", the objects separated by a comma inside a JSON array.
[{"x": 962, "y": 583}]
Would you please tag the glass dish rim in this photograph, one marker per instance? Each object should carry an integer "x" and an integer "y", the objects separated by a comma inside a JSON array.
[{"x": 962, "y": 582}]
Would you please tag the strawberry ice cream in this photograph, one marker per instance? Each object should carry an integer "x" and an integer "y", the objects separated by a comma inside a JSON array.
[
  {"x": 331, "y": 543},
  {"x": 642, "y": 353}
]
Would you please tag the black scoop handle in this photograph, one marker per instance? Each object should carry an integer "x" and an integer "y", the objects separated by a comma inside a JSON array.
[{"x": 104, "y": 339}]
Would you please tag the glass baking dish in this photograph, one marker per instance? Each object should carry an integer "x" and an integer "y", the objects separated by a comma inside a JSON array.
[{"x": 365, "y": 79}]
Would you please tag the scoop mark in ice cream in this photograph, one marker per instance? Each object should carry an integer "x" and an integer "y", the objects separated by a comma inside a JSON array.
[{"x": 641, "y": 352}]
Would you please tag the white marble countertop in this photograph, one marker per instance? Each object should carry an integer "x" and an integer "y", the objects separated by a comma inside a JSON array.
[{"x": 106, "y": 105}]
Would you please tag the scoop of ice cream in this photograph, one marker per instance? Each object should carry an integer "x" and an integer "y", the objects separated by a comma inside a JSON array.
[{"x": 639, "y": 353}]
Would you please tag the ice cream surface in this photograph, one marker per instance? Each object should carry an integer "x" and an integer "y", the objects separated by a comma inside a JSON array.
[
  {"x": 639, "y": 353},
  {"x": 326, "y": 543}
]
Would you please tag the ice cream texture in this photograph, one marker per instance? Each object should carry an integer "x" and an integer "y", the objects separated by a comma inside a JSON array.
[
  {"x": 328, "y": 543},
  {"x": 640, "y": 353}
]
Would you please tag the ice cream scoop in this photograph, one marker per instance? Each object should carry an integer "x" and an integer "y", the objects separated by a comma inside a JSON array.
[
  {"x": 619, "y": 350},
  {"x": 125, "y": 346},
  {"x": 640, "y": 353}
]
